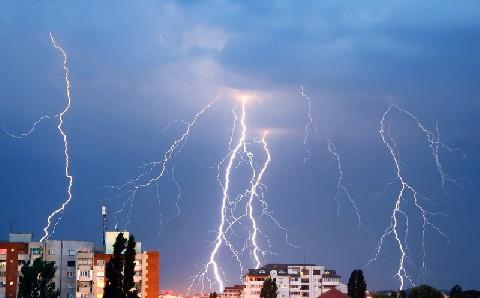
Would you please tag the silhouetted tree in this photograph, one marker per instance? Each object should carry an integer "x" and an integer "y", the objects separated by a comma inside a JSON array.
[
  {"x": 129, "y": 269},
  {"x": 356, "y": 284},
  {"x": 36, "y": 280},
  {"x": 213, "y": 295},
  {"x": 113, "y": 270},
  {"x": 424, "y": 291},
  {"x": 269, "y": 288},
  {"x": 456, "y": 292}
]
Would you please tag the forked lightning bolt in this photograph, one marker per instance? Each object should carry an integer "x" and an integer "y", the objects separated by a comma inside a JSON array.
[
  {"x": 65, "y": 143},
  {"x": 253, "y": 194},
  {"x": 309, "y": 125},
  {"x": 149, "y": 177},
  {"x": 341, "y": 188},
  {"x": 239, "y": 153},
  {"x": 406, "y": 188}
]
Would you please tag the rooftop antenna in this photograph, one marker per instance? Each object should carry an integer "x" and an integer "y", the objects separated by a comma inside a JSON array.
[
  {"x": 13, "y": 221},
  {"x": 104, "y": 222}
]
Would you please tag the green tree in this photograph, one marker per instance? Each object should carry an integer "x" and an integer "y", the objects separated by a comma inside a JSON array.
[
  {"x": 113, "y": 270},
  {"x": 213, "y": 295},
  {"x": 269, "y": 288},
  {"x": 129, "y": 269},
  {"x": 456, "y": 292},
  {"x": 424, "y": 291},
  {"x": 356, "y": 284},
  {"x": 36, "y": 280}
]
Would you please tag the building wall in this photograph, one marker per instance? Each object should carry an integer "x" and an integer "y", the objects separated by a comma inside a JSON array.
[
  {"x": 11, "y": 257},
  {"x": 150, "y": 274},
  {"x": 294, "y": 281}
]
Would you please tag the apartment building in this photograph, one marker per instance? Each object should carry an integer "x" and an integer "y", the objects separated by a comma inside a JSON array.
[
  {"x": 293, "y": 280},
  {"x": 80, "y": 270},
  {"x": 235, "y": 291}
]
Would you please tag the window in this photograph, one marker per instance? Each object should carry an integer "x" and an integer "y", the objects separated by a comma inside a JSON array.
[
  {"x": 71, "y": 263},
  {"x": 100, "y": 262},
  {"x": 70, "y": 274},
  {"x": 85, "y": 261},
  {"x": 305, "y": 280},
  {"x": 305, "y": 272},
  {"x": 36, "y": 251},
  {"x": 305, "y": 294},
  {"x": 85, "y": 273},
  {"x": 70, "y": 286},
  {"x": 72, "y": 252},
  {"x": 317, "y": 272},
  {"x": 304, "y": 287},
  {"x": 51, "y": 252}
]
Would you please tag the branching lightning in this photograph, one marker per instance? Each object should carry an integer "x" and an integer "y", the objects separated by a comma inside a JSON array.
[
  {"x": 148, "y": 177},
  {"x": 341, "y": 188},
  {"x": 229, "y": 217},
  {"x": 31, "y": 130},
  {"x": 65, "y": 144},
  {"x": 62, "y": 132},
  {"x": 309, "y": 125},
  {"x": 407, "y": 188}
]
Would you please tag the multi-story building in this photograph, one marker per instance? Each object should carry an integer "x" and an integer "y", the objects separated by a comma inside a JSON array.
[
  {"x": 80, "y": 271},
  {"x": 293, "y": 280},
  {"x": 146, "y": 273},
  {"x": 233, "y": 292},
  {"x": 12, "y": 256},
  {"x": 62, "y": 253}
]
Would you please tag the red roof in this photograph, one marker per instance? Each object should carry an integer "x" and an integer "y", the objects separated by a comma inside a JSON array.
[{"x": 333, "y": 293}]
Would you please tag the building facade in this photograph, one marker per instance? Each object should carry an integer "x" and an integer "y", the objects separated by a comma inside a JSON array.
[
  {"x": 80, "y": 270},
  {"x": 293, "y": 280}
]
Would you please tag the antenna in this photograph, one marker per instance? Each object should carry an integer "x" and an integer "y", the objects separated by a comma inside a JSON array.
[
  {"x": 13, "y": 221},
  {"x": 104, "y": 222}
]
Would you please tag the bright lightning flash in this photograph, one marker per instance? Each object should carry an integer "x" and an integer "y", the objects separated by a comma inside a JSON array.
[
  {"x": 65, "y": 143},
  {"x": 406, "y": 188},
  {"x": 149, "y": 177},
  {"x": 229, "y": 217}
]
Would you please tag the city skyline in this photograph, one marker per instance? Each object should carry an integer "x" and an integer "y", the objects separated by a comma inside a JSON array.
[{"x": 232, "y": 135}]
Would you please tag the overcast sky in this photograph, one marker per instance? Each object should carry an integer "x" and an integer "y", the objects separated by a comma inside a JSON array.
[{"x": 136, "y": 66}]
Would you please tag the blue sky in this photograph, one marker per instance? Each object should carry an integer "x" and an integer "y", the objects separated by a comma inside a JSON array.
[{"x": 137, "y": 66}]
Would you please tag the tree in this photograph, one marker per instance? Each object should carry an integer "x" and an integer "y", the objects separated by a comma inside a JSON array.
[
  {"x": 356, "y": 284},
  {"x": 113, "y": 270},
  {"x": 456, "y": 292},
  {"x": 129, "y": 269},
  {"x": 424, "y": 291},
  {"x": 36, "y": 280},
  {"x": 213, "y": 295},
  {"x": 269, "y": 288}
]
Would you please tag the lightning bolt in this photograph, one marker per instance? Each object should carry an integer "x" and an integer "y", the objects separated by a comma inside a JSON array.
[
  {"x": 309, "y": 125},
  {"x": 31, "y": 130},
  {"x": 148, "y": 177},
  {"x": 226, "y": 186},
  {"x": 406, "y": 188},
  {"x": 238, "y": 153},
  {"x": 252, "y": 194},
  {"x": 340, "y": 186},
  {"x": 61, "y": 209}
]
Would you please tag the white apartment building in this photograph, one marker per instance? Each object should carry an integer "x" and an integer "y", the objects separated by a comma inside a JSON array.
[
  {"x": 293, "y": 280},
  {"x": 64, "y": 255}
]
